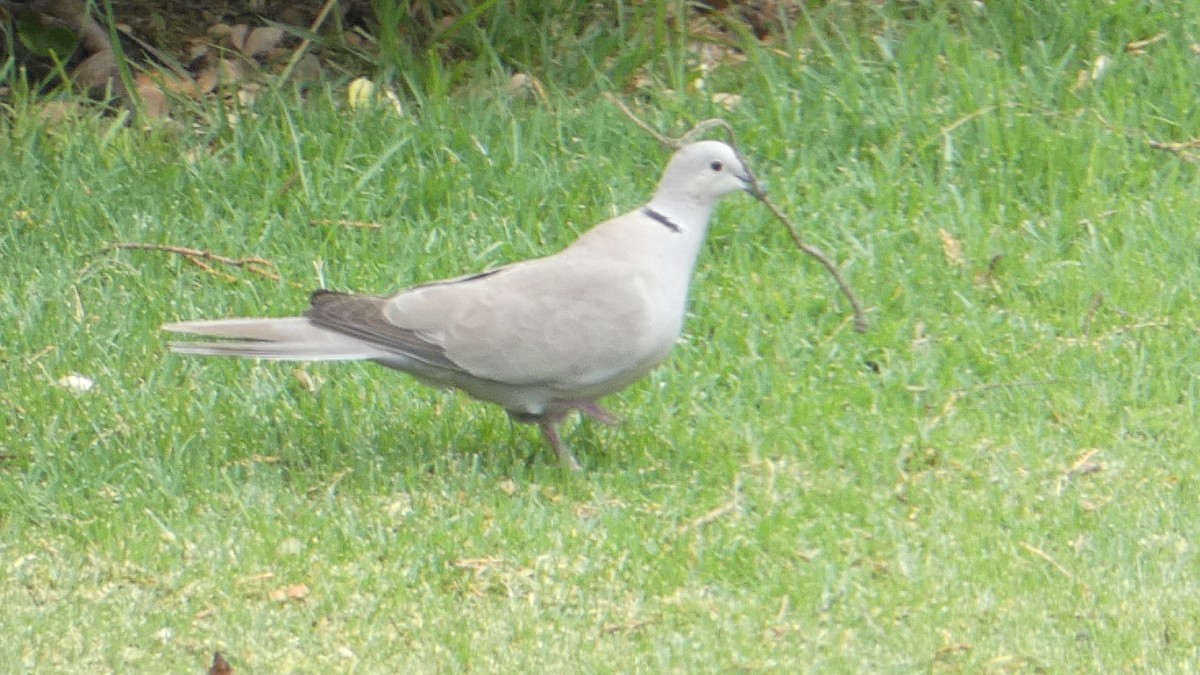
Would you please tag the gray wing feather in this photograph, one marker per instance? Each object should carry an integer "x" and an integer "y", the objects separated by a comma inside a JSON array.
[{"x": 361, "y": 317}]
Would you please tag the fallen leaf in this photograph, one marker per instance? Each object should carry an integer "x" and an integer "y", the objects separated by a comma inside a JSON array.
[
  {"x": 58, "y": 111},
  {"x": 248, "y": 94},
  {"x": 262, "y": 40},
  {"x": 154, "y": 101},
  {"x": 230, "y": 72},
  {"x": 168, "y": 82},
  {"x": 952, "y": 248},
  {"x": 207, "y": 80},
  {"x": 307, "y": 69},
  {"x": 353, "y": 39},
  {"x": 237, "y": 36},
  {"x": 294, "y": 592},
  {"x": 217, "y": 31},
  {"x": 195, "y": 49},
  {"x": 726, "y": 100},
  {"x": 522, "y": 85}
]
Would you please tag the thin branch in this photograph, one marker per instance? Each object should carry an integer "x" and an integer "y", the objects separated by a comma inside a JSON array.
[
  {"x": 725, "y": 509},
  {"x": 199, "y": 258},
  {"x": 756, "y": 188},
  {"x": 1182, "y": 149},
  {"x": 1046, "y": 556},
  {"x": 343, "y": 222},
  {"x": 860, "y": 317},
  {"x": 667, "y": 143}
]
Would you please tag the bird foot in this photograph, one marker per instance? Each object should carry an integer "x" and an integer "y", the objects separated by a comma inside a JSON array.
[{"x": 594, "y": 411}]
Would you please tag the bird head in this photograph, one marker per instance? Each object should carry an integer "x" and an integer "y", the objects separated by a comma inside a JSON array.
[{"x": 703, "y": 172}]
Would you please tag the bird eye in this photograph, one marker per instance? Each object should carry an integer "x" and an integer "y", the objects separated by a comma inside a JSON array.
[{"x": 716, "y": 166}]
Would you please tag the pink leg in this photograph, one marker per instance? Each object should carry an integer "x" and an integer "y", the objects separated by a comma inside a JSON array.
[{"x": 549, "y": 427}]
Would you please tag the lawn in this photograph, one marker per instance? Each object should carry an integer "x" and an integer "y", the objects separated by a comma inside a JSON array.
[{"x": 1000, "y": 475}]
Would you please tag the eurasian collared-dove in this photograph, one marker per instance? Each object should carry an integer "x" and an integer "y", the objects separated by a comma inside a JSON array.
[{"x": 541, "y": 337}]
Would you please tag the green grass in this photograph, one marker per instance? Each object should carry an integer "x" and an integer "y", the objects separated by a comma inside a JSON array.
[{"x": 999, "y": 476}]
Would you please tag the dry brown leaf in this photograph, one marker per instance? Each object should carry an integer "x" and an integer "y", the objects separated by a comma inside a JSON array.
[
  {"x": 154, "y": 101},
  {"x": 307, "y": 69},
  {"x": 237, "y": 36},
  {"x": 527, "y": 86},
  {"x": 218, "y": 33},
  {"x": 230, "y": 72},
  {"x": 58, "y": 111},
  {"x": 168, "y": 81},
  {"x": 207, "y": 80},
  {"x": 726, "y": 100},
  {"x": 294, "y": 592},
  {"x": 195, "y": 49},
  {"x": 353, "y": 39},
  {"x": 248, "y": 94},
  {"x": 262, "y": 40},
  {"x": 97, "y": 72},
  {"x": 952, "y": 248}
]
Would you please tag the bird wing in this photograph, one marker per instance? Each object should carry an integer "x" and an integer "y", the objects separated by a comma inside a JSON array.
[{"x": 549, "y": 321}]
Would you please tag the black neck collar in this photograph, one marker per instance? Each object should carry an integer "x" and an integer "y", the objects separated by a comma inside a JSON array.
[{"x": 661, "y": 219}]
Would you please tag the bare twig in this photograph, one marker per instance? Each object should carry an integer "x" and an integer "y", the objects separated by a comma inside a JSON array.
[
  {"x": 860, "y": 317},
  {"x": 725, "y": 509},
  {"x": 1139, "y": 46},
  {"x": 343, "y": 222},
  {"x": 199, "y": 258},
  {"x": 756, "y": 188},
  {"x": 1046, "y": 556},
  {"x": 1184, "y": 150},
  {"x": 720, "y": 511},
  {"x": 1082, "y": 466},
  {"x": 662, "y": 140}
]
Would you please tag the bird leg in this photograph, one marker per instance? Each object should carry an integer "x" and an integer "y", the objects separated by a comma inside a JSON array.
[
  {"x": 548, "y": 422},
  {"x": 549, "y": 427}
]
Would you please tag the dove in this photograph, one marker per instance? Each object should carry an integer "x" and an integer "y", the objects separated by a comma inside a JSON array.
[{"x": 543, "y": 337}]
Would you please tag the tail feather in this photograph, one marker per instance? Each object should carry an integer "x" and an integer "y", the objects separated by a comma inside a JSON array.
[{"x": 287, "y": 339}]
